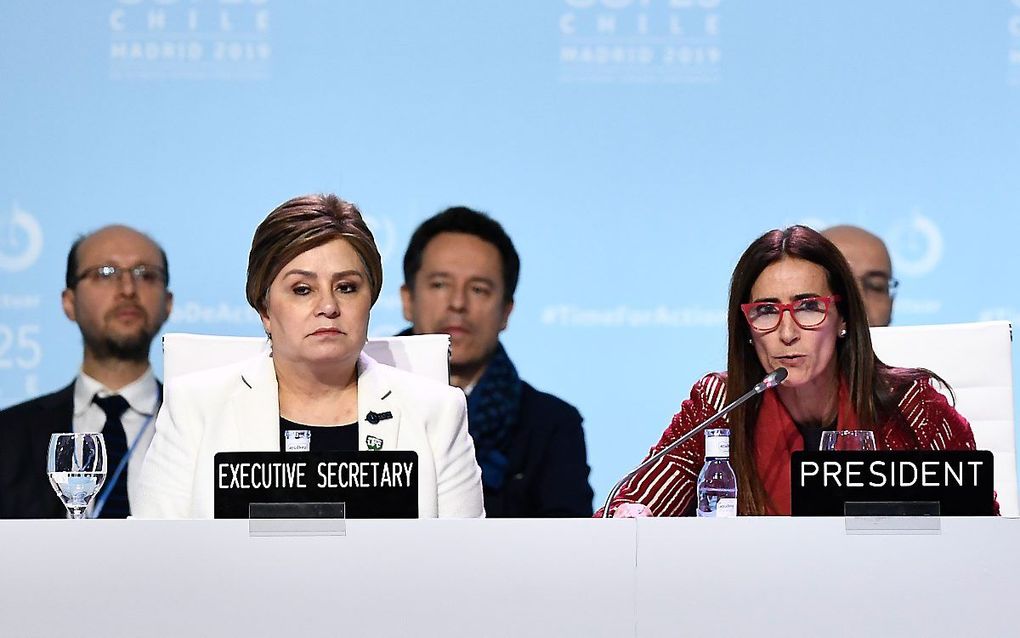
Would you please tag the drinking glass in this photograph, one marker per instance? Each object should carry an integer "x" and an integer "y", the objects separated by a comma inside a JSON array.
[
  {"x": 848, "y": 440},
  {"x": 76, "y": 465}
]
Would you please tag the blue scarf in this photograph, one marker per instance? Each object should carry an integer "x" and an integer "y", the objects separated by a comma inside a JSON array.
[{"x": 493, "y": 407}]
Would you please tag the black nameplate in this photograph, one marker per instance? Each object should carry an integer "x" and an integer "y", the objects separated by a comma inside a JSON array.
[
  {"x": 370, "y": 484},
  {"x": 960, "y": 482}
]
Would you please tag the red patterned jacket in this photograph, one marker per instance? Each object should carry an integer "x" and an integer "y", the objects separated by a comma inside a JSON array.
[{"x": 668, "y": 487}]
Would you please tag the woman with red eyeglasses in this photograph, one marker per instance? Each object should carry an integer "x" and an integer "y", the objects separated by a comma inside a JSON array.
[{"x": 793, "y": 304}]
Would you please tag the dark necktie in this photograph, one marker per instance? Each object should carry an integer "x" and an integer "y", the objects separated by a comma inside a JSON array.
[{"x": 116, "y": 448}]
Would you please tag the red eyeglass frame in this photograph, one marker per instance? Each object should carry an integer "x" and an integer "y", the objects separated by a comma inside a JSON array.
[{"x": 783, "y": 307}]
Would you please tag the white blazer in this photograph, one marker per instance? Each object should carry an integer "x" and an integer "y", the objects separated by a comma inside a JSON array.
[{"x": 237, "y": 408}]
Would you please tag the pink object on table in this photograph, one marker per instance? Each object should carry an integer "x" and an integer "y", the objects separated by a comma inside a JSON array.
[{"x": 632, "y": 510}]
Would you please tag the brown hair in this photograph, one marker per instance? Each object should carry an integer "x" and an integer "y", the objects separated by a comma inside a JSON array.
[
  {"x": 298, "y": 225},
  {"x": 874, "y": 388}
]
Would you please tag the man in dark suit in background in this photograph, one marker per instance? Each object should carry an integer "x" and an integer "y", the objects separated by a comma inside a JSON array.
[
  {"x": 117, "y": 294},
  {"x": 460, "y": 274}
]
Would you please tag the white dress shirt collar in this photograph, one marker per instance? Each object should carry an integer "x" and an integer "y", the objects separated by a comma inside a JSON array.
[{"x": 141, "y": 394}]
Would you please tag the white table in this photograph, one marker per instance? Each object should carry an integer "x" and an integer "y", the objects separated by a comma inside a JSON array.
[
  {"x": 808, "y": 577},
  {"x": 526, "y": 578}
]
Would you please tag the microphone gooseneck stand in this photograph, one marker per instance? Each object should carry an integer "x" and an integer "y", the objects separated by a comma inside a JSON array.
[{"x": 772, "y": 380}]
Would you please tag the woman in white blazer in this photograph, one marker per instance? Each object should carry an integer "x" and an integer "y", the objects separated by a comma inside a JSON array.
[{"x": 314, "y": 273}]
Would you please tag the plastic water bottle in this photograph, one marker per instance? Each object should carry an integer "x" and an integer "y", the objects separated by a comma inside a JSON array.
[{"x": 717, "y": 484}]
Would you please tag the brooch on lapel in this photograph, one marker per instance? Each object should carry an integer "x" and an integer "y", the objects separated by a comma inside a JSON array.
[
  {"x": 373, "y": 443},
  {"x": 374, "y": 417}
]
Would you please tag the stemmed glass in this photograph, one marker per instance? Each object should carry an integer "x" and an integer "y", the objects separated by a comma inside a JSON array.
[
  {"x": 76, "y": 465},
  {"x": 848, "y": 440}
]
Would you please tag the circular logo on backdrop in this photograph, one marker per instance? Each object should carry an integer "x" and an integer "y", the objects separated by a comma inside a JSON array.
[
  {"x": 21, "y": 240},
  {"x": 385, "y": 234},
  {"x": 916, "y": 245}
]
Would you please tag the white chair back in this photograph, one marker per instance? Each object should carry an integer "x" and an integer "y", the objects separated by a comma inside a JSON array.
[
  {"x": 976, "y": 360},
  {"x": 427, "y": 355}
]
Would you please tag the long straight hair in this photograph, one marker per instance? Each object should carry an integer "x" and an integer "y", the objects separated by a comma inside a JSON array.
[{"x": 875, "y": 389}]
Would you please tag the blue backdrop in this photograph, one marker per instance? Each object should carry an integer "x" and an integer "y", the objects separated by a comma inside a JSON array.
[{"x": 632, "y": 148}]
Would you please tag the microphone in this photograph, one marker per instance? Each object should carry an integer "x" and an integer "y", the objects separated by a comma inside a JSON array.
[{"x": 776, "y": 377}]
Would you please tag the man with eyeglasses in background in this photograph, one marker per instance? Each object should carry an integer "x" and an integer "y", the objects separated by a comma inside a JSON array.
[
  {"x": 117, "y": 294},
  {"x": 872, "y": 268}
]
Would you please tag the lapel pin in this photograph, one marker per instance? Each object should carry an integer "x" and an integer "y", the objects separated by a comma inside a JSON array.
[
  {"x": 374, "y": 443},
  {"x": 374, "y": 418}
]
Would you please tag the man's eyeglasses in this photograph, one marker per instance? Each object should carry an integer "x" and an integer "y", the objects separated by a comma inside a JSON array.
[
  {"x": 879, "y": 284},
  {"x": 764, "y": 316},
  {"x": 108, "y": 274}
]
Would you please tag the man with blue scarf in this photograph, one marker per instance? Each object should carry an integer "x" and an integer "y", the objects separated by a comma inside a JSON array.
[{"x": 460, "y": 275}]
